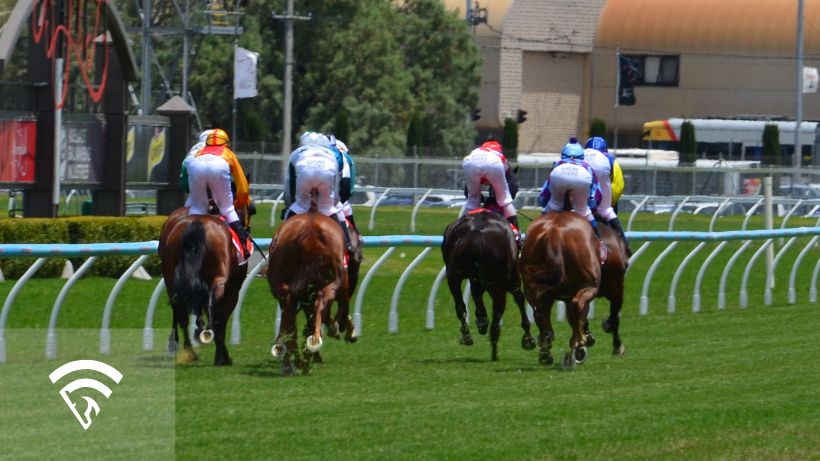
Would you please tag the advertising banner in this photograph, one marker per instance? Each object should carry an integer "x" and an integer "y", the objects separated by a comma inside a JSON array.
[{"x": 17, "y": 142}]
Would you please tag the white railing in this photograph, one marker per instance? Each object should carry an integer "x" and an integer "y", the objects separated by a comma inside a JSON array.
[{"x": 391, "y": 243}]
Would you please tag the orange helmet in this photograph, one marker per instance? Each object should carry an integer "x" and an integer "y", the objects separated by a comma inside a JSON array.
[
  {"x": 217, "y": 137},
  {"x": 492, "y": 145}
]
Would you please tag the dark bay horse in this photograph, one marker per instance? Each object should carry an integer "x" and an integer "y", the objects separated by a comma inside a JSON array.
[
  {"x": 481, "y": 247},
  {"x": 306, "y": 271},
  {"x": 559, "y": 262},
  {"x": 202, "y": 276},
  {"x": 613, "y": 273}
]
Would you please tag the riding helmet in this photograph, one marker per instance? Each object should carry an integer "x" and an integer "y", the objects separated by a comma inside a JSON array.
[
  {"x": 572, "y": 150},
  {"x": 217, "y": 137},
  {"x": 598, "y": 143},
  {"x": 492, "y": 145},
  {"x": 313, "y": 138}
]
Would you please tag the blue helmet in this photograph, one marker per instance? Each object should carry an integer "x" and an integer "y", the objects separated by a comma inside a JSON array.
[
  {"x": 572, "y": 151},
  {"x": 598, "y": 143}
]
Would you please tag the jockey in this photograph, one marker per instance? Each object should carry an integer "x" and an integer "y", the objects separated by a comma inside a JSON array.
[
  {"x": 316, "y": 163},
  {"x": 183, "y": 174},
  {"x": 211, "y": 168},
  {"x": 487, "y": 165},
  {"x": 572, "y": 173},
  {"x": 347, "y": 182},
  {"x": 604, "y": 166}
]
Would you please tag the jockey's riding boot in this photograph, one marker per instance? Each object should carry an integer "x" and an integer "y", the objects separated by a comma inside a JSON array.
[
  {"x": 513, "y": 220},
  {"x": 616, "y": 224},
  {"x": 352, "y": 221},
  {"x": 602, "y": 250},
  {"x": 236, "y": 226},
  {"x": 348, "y": 243}
]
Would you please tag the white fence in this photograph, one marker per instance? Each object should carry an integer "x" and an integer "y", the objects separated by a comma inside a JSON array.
[{"x": 391, "y": 243}]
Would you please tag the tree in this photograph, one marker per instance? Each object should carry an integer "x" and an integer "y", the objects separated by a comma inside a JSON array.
[
  {"x": 510, "y": 141},
  {"x": 688, "y": 143},
  {"x": 597, "y": 127},
  {"x": 341, "y": 126},
  {"x": 771, "y": 145},
  {"x": 415, "y": 134}
]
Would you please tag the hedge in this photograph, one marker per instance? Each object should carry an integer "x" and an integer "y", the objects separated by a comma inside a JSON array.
[{"x": 81, "y": 229}]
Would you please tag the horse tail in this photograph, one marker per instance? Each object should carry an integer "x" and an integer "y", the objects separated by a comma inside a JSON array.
[
  {"x": 190, "y": 290},
  {"x": 314, "y": 200},
  {"x": 312, "y": 271}
]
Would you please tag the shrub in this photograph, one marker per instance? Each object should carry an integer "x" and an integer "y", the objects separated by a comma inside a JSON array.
[
  {"x": 688, "y": 143},
  {"x": 510, "y": 141},
  {"x": 597, "y": 127},
  {"x": 771, "y": 145}
]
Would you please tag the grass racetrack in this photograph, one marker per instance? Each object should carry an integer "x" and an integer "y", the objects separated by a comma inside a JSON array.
[{"x": 718, "y": 384}]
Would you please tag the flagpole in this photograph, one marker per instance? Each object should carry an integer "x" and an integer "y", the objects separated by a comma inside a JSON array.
[
  {"x": 617, "y": 93},
  {"x": 234, "y": 134}
]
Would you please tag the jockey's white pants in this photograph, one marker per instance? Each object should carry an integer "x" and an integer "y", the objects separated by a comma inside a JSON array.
[
  {"x": 603, "y": 171},
  {"x": 211, "y": 172},
  {"x": 482, "y": 166},
  {"x": 321, "y": 173},
  {"x": 347, "y": 209},
  {"x": 575, "y": 178}
]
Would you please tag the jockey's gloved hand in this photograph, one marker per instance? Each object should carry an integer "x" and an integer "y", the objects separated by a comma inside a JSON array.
[{"x": 283, "y": 213}]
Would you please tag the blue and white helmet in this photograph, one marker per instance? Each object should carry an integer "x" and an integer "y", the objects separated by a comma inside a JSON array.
[
  {"x": 313, "y": 138},
  {"x": 572, "y": 151},
  {"x": 598, "y": 143}
]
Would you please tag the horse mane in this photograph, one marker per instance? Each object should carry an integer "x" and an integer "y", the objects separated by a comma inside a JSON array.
[{"x": 189, "y": 288}]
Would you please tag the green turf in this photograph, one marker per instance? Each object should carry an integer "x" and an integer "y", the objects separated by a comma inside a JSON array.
[{"x": 719, "y": 384}]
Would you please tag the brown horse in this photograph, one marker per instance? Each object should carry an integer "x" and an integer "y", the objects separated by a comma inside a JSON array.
[
  {"x": 481, "y": 247},
  {"x": 202, "y": 276},
  {"x": 559, "y": 262},
  {"x": 306, "y": 269}
]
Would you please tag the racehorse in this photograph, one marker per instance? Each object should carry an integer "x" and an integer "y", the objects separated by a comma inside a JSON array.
[
  {"x": 559, "y": 262},
  {"x": 202, "y": 275},
  {"x": 613, "y": 273},
  {"x": 480, "y": 247},
  {"x": 305, "y": 271}
]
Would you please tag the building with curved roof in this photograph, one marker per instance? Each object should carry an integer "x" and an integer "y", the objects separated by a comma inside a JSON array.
[{"x": 555, "y": 59}]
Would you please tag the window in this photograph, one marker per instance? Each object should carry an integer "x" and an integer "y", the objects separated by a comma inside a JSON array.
[{"x": 657, "y": 70}]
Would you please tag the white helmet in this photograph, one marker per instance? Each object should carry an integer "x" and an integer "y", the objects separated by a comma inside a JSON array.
[
  {"x": 312, "y": 138},
  {"x": 204, "y": 135},
  {"x": 341, "y": 146}
]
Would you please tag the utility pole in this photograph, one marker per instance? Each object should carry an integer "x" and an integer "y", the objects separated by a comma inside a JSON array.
[
  {"x": 798, "y": 151},
  {"x": 288, "y": 97},
  {"x": 146, "y": 58}
]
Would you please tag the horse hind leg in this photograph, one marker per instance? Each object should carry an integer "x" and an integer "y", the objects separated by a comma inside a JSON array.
[
  {"x": 499, "y": 306},
  {"x": 481, "y": 320},
  {"x": 527, "y": 341},
  {"x": 546, "y": 335},
  {"x": 221, "y": 357},
  {"x": 187, "y": 354},
  {"x": 285, "y": 345},
  {"x": 612, "y": 324},
  {"x": 461, "y": 309}
]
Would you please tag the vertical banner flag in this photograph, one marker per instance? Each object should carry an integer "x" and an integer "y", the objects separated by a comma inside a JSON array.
[
  {"x": 810, "y": 80},
  {"x": 244, "y": 73},
  {"x": 627, "y": 76}
]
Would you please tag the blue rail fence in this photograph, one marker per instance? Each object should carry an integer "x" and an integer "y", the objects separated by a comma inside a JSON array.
[{"x": 145, "y": 249}]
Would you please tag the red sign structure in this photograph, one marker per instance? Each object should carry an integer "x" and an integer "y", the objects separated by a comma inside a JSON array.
[
  {"x": 17, "y": 138},
  {"x": 79, "y": 41}
]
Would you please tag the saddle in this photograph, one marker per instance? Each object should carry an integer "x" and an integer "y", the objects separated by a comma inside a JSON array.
[{"x": 240, "y": 255}]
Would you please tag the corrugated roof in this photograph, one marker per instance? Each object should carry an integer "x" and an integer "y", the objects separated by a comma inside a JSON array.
[{"x": 749, "y": 27}]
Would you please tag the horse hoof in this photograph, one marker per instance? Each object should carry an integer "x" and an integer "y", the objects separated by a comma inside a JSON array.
[
  {"x": 527, "y": 343},
  {"x": 607, "y": 326},
  {"x": 172, "y": 348},
  {"x": 620, "y": 350},
  {"x": 580, "y": 355},
  {"x": 351, "y": 338},
  {"x": 186, "y": 356},
  {"x": 206, "y": 336},
  {"x": 288, "y": 369},
  {"x": 278, "y": 351},
  {"x": 545, "y": 358},
  {"x": 590, "y": 340},
  {"x": 466, "y": 340},
  {"x": 568, "y": 363},
  {"x": 313, "y": 343}
]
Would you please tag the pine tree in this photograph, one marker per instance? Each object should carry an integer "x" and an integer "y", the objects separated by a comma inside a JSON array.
[
  {"x": 771, "y": 145},
  {"x": 510, "y": 141},
  {"x": 688, "y": 143}
]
